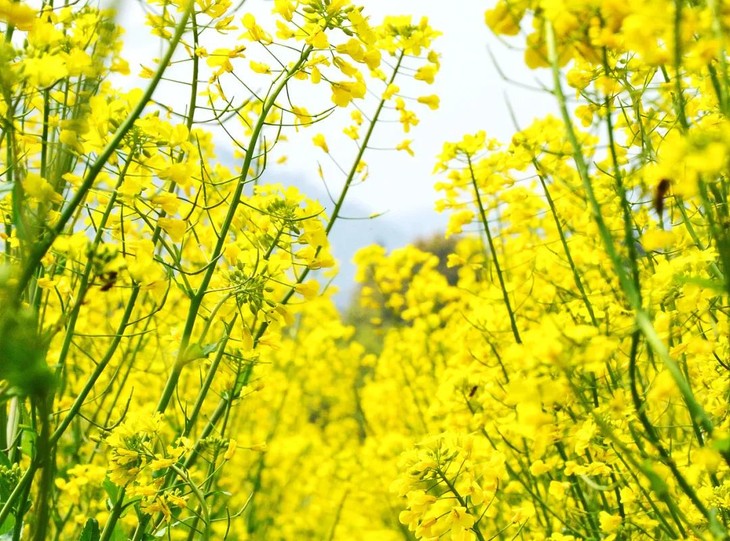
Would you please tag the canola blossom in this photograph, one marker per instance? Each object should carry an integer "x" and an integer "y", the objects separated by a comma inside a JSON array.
[{"x": 172, "y": 364}]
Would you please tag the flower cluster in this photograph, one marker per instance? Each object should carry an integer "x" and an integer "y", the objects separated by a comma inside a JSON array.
[
  {"x": 171, "y": 363},
  {"x": 155, "y": 292}
]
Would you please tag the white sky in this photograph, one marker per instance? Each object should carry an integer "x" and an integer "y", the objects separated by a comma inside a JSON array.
[{"x": 473, "y": 97}]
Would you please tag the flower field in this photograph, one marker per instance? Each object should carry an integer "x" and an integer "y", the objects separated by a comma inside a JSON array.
[{"x": 173, "y": 366}]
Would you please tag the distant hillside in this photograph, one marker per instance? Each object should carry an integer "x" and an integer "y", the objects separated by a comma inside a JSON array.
[{"x": 392, "y": 229}]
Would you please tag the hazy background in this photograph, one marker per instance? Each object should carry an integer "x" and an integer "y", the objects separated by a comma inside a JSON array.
[{"x": 473, "y": 97}]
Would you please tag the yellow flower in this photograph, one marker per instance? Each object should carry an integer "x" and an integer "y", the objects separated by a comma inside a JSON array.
[
  {"x": 459, "y": 517},
  {"x": 406, "y": 146},
  {"x": 283, "y": 31},
  {"x": 307, "y": 289},
  {"x": 426, "y": 73},
  {"x": 174, "y": 227},
  {"x": 609, "y": 523},
  {"x": 40, "y": 189},
  {"x": 504, "y": 18},
  {"x": 285, "y": 8},
  {"x": 584, "y": 114},
  {"x": 657, "y": 239},
  {"x": 390, "y": 90},
  {"x": 230, "y": 450},
  {"x": 458, "y": 220},
  {"x": 254, "y": 31},
  {"x": 318, "y": 40},
  {"x": 321, "y": 142},
  {"x": 557, "y": 489},
  {"x": 431, "y": 101},
  {"x": 46, "y": 70},
  {"x": 259, "y": 67},
  {"x": 351, "y": 132},
  {"x": 17, "y": 14},
  {"x": 344, "y": 92}
]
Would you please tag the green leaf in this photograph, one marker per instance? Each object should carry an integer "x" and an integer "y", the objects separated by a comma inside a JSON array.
[
  {"x": 22, "y": 353},
  {"x": 111, "y": 489},
  {"x": 658, "y": 485},
  {"x": 210, "y": 348},
  {"x": 197, "y": 351},
  {"x": 7, "y": 483},
  {"x": 721, "y": 446},
  {"x": 28, "y": 440},
  {"x": 706, "y": 283},
  {"x": 91, "y": 531},
  {"x": 8, "y": 525},
  {"x": 716, "y": 528},
  {"x": 118, "y": 534}
]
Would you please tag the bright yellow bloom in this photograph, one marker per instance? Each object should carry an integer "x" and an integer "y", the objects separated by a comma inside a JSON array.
[
  {"x": 406, "y": 146},
  {"x": 321, "y": 142},
  {"x": 431, "y": 101}
]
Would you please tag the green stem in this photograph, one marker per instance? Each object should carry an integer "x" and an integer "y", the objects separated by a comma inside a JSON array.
[
  {"x": 82, "y": 288},
  {"x": 629, "y": 238},
  {"x": 23, "y": 483},
  {"x": 579, "y": 494},
  {"x": 194, "y": 75},
  {"x": 200, "y": 400},
  {"x": 202, "y": 504},
  {"x": 696, "y": 411},
  {"x": 495, "y": 259},
  {"x": 88, "y": 387},
  {"x": 44, "y": 457},
  {"x": 564, "y": 243},
  {"x": 338, "y": 514},
  {"x": 653, "y": 437},
  {"x": 462, "y": 502},
  {"x": 197, "y": 299},
  {"x": 346, "y": 188},
  {"x": 114, "y": 515},
  {"x": 629, "y": 287},
  {"x": 720, "y": 84}
]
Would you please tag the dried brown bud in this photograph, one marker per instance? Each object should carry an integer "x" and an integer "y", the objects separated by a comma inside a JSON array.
[{"x": 661, "y": 191}]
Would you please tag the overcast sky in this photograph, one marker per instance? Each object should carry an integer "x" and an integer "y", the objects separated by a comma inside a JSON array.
[{"x": 472, "y": 98}]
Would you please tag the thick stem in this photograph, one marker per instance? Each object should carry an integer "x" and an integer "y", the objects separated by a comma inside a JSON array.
[{"x": 627, "y": 284}]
